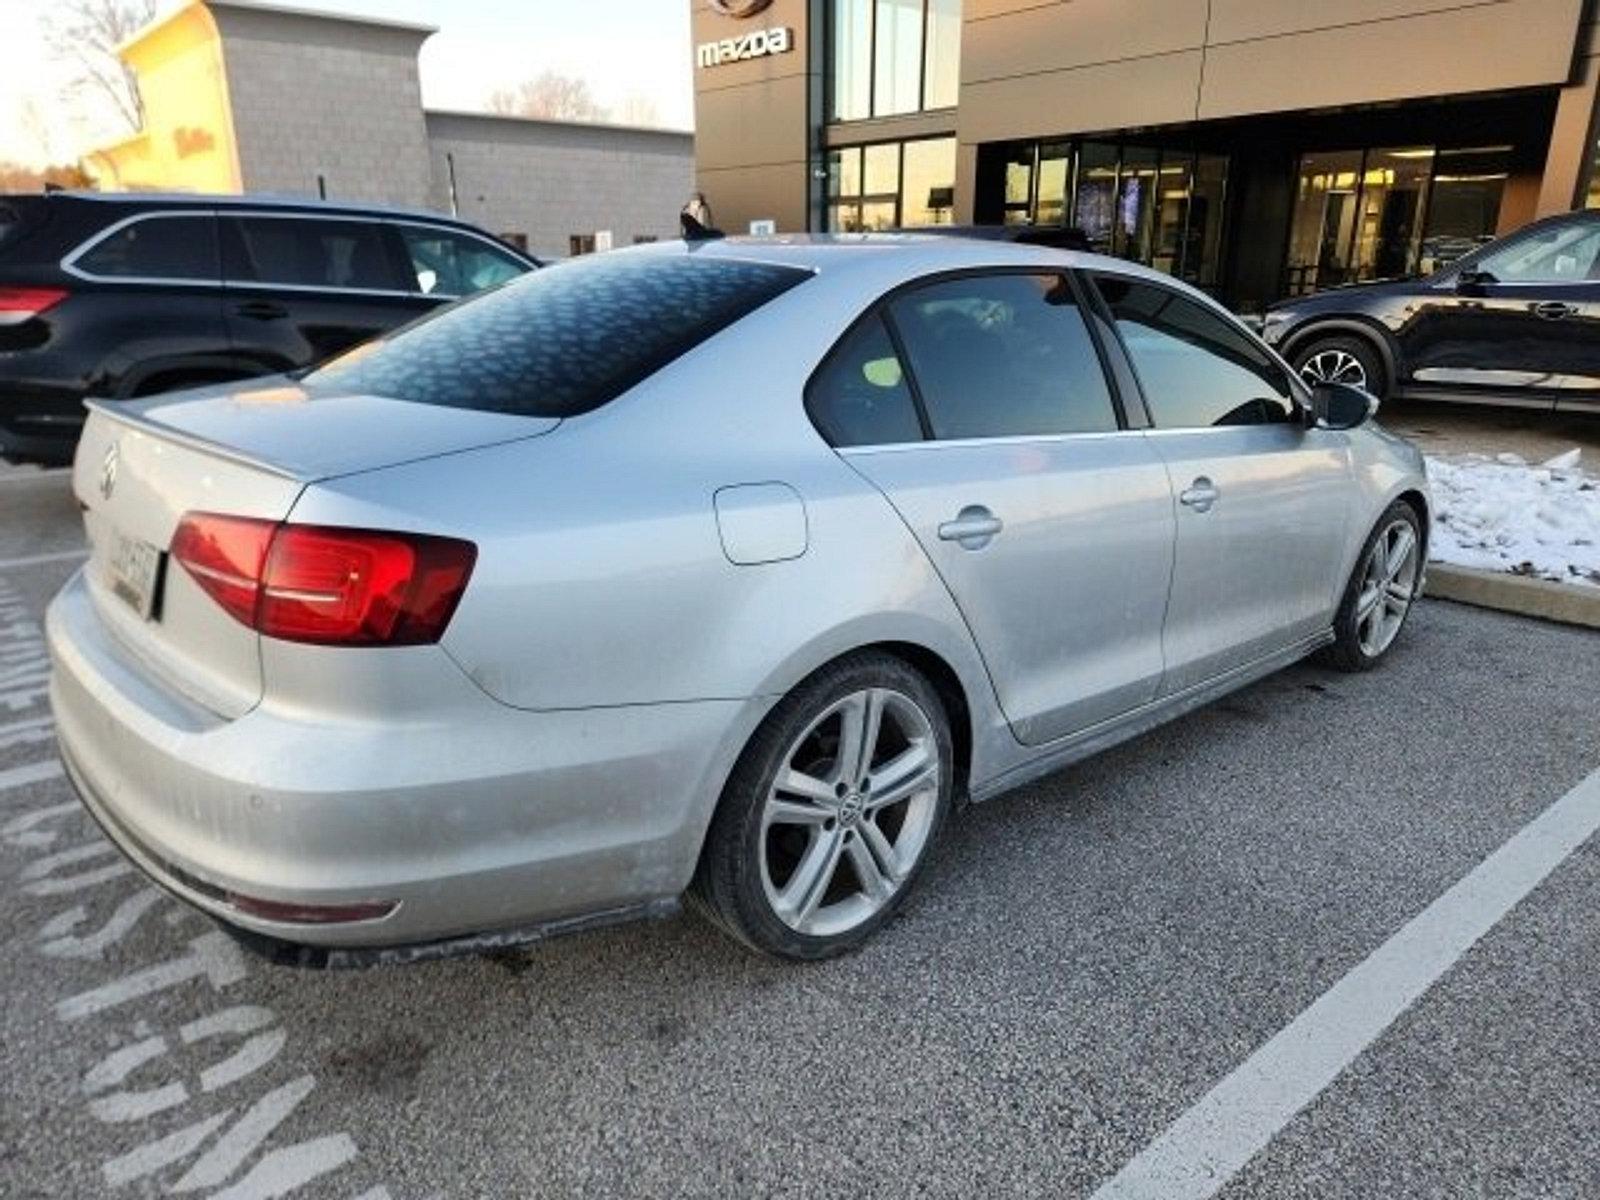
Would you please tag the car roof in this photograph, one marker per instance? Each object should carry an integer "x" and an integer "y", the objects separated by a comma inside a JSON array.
[
  {"x": 904, "y": 256},
  {"x": 258, "y": 201}
]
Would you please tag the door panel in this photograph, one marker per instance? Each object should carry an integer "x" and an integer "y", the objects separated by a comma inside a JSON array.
[
  {"x": 1506, "y": 337},
  {"x": 1065, "y": 601},
  {"x": 1257, "y": 568}
]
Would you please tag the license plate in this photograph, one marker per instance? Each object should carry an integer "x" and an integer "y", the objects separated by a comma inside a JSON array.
[{"x": 133, "y": 569}]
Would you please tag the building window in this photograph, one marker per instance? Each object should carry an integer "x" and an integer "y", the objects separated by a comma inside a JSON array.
[
  {"x": 643, "y": 239},
  {"x": 518, "y": 240},
  {"x": 891, "y": 185},
  {"x": 1157, "y": 205},
  {"x": 580, "y": 243},
  {"x": 889, "y": 57},
  {"x": 1379, "y": 213}
]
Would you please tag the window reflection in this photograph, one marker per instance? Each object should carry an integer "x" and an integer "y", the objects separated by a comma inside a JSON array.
[
  {"x": 889, "y": 57},
  {"x": 891, "y": 184}
]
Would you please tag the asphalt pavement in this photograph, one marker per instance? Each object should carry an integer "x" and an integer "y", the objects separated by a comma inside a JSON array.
[{"x": 1086, "y": 960}]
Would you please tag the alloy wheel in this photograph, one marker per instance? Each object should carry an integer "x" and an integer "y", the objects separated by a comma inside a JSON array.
[
  {"x": 1388, "y": 585},
  {"x": 850, "y": 812},
  {"x": 1334, "y": 366}
]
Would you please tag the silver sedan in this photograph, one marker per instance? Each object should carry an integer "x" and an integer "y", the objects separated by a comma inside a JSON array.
[{"x": 724, "y": 569}]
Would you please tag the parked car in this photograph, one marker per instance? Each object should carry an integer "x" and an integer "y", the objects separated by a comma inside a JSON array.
[
  {"x": 726, "y": 567},
  {"x": 116, "y": 296},
  {"x": 1516, "y": 321}
]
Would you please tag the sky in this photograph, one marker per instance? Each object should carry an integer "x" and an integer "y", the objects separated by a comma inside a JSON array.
[{"x": 622, "y": 48}]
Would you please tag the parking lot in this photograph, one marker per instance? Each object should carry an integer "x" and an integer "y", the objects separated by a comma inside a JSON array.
[{"x": 1086, "y": 960}]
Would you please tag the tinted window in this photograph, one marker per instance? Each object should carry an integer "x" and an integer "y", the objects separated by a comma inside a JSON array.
[
  {"x": 313, "y": 253},
  {"x": 1563, "y": 254},
  {"x": 453, "y": 264},
  {"x": 860, "y": 396},
  {"x": 157, "y": 248},
  {"x": 999, "y": 355},
  {"x": 563, "y": 340},
  {"x": 1194, "y": 367}
]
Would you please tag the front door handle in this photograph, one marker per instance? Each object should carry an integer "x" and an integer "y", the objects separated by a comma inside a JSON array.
[
  {"x": 261, "y": 310},
  {"x": 1553, "y": 310},
  {"x": 973, "y": 529},
  {"x": 1200, "y": 495}
]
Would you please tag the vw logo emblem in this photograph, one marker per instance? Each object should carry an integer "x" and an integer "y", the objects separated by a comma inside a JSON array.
[
  {"x": 108, "y": 470},
  {"x": 740, "y": 8}
]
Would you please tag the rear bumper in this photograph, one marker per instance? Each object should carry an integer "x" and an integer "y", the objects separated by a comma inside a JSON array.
[{"x": 482, "y": 821}]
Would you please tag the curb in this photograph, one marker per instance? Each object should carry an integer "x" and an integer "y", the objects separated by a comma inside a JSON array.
[{"x": 1521, "y": 594}]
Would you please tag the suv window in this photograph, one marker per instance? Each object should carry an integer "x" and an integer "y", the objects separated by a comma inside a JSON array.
[
  {"x": 311, "y": 252},
  {"x": 561, "y": 341},
  {"x": 1562, "y": 254},
  {"x": 156, "y": 247},
  {"x": 455, "y": 264},
  {"x": 859, "y": 397},
  {"x": 1195, "y": 369},
  {"x": 1003, "y": 355}
]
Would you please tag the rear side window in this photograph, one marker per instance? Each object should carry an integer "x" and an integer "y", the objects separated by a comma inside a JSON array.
[
  {"x": 1003, "y": 355},
  {"x": 1195, "y": 369},
  {"x": 860, "y": 396},
  {"x": 563, "y": 340},
  {"x": 301, "y": 252},
  {"x": 156, "y": 247},
  {"x": 452, "y": 264}
]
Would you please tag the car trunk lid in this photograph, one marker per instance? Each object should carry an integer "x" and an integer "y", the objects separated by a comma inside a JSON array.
[{"x": 243, "y": 452}]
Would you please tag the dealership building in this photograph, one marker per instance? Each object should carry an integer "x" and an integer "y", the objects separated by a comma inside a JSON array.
[
  {"x": 1257, "y": 148},
  {"x": 246, "y": 96}
]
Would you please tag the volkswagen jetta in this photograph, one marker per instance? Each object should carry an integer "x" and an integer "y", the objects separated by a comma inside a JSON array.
[{"x": 723, "y": 569}]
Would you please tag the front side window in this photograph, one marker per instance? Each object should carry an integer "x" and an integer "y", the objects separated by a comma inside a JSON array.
[
  {"x": 1559, "y": 254},
  {"x": 1195, "y": 369},
  {"x": 561, "y": 341},
  {"x": 453, "y": 264},
  {"x": 157, "y": 248},
  {"x": 860, "y": 397},
  {"x": 313, "y": 252},
  {"x": 1003, "y": 355}
]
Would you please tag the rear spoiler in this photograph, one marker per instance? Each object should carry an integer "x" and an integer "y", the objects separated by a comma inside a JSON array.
[{"x": 121, "y": 412}]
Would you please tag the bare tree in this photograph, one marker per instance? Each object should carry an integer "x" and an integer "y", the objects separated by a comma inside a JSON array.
[
  {"x": 639, "y": 109},
  {"x": 86, "y": 33},
  {"x": 552, "y": 95}
]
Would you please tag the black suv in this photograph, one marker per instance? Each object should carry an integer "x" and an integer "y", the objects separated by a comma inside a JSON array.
[
  {"x": 1514, "y": 322},
  {"x": 127, "y": 295}
]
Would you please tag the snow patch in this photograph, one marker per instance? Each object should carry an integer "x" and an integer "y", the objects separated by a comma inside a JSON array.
[{"x": 1501, "y": 513}]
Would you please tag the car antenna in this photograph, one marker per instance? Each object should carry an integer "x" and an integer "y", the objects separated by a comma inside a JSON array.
[{"x": 694, "y": 231}]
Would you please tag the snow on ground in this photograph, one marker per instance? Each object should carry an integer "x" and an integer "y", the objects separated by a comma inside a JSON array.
[{"x": 1501, "y": 513}]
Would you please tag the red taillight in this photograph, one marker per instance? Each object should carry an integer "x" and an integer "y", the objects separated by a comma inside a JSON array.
[
  {"x": 19, "y": 304},
  {"x": 333, "y": 586}
]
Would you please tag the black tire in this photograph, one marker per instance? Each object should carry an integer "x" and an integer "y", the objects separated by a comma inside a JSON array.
[
  {"x": 1347, "y": 652},
  {"x": 1327, "y": 347},
  {"x": 729, "y": 884}
]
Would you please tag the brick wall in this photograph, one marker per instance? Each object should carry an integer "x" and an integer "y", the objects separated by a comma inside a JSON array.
[
  {"x": 313, "y": 95},
  {"x": 550, "y": 179}
]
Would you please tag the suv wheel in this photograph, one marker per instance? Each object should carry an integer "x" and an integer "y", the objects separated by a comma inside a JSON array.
[
  {"x": 1352, "y": 360},
  {"x": 830, "y": 813}
]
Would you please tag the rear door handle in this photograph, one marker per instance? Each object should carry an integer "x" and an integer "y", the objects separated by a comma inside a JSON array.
[
  {"x": 1553, "y": 310},
  {"x": 261, "y": 310},
  {"x": 1200, "y": 495},
  {"x": 973, "y": 529}
]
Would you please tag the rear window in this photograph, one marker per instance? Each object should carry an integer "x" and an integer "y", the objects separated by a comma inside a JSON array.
[{"x": 560, "y": 341}]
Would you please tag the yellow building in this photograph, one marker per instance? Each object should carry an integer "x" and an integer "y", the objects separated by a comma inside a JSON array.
[{"x": 187, "y": 142}]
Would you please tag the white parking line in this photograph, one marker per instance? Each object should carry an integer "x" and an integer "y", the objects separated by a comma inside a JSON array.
[
  {"x": 34, "y": 560},
  {"x": 1205, "y": 1147},
  {"x": 14, "y": 777}
]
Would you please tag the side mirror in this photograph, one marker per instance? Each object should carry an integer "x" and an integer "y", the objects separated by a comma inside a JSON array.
[{"x": 1341, "y": 406}]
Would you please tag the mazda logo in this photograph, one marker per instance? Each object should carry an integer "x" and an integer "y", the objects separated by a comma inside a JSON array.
[
  {"x": 108, "y": 470},
  {"x": 740, "y": 8}
]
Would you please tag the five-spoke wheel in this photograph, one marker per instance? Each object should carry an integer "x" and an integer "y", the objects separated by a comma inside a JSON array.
[
  {"x": 1380, "y": 592},
  {"x": 830, "y": 813}
]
